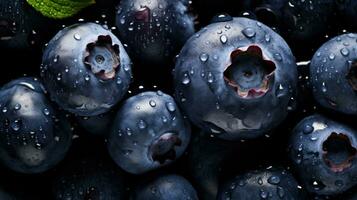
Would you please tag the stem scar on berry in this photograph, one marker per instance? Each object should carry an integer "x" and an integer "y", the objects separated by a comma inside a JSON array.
[
  {"x": 249, "y": 73},
  {"x": 338, "y": 152},
  {"x": 102, "y": 57},
  {"x": 164, "y": 147}
]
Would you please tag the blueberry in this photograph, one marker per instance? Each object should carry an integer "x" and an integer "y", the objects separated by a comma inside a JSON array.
[
  {"x": 333, "y": 73},
  {"x": 20, "y": 24},
  {"x": 154, "y": 30},
  {"x": 33, "y": 135},
  {"x": 325, "y": 157},
  {"x": 271, "y": 183},
  {"x": 89, "y": 179},
  {"x": 86, "y": 69},
  {"x": 236, "y": 79},
  {"x": 148, "y": 132},
  {"x": 165, "y": 187},
  {"x": 298, "y": 20}
]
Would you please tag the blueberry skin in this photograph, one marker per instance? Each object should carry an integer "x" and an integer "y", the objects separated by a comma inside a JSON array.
[
  {"x": 165, "y": 187},
  {"x": 199, "y": 77},
  {"x": 148, "y": 132},
  {"x": 332, "y": 73},
  {"x": 154, "y": 30},
  {"x": 86, "y": 69},
  {"x": 19, "y": 24},
  {"x": 324, "y": 154},
  {"x": 89, "y": 178},
  {"x": 272, "y": 183},
  {"x": 34, "y": 136}
]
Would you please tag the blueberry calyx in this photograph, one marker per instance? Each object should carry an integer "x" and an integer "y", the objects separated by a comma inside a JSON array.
[
  {"x": 338, "y": 152},
  {"x": 103, "y": 57},
  {"x": 249, "y": 72},
  {"x": 352, "y": 75},
  {"x": 163, "y": 148}
]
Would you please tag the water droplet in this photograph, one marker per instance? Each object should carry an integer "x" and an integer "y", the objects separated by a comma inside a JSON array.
[
  {"x": 204, "y": 57},
  {"x": 142, "y": 124},
  {"x": 339, "y": 183},
  {"x": 46, "y": 111},
  {"x": 267, "y": 37},
  {"x": 76, "y": 36},
  {"x": 248, "y": 32},
  {"x": 332, "y": 56},
  {"x": 17, "y": 106},
  {"x": 224, "y": 39},
  {"x": 170, "y": 107},
  {"x": 260, "y": 181},
  {"x": 186, "y": 79},
  {"x": 308, "y": 129},
  {"x": 278, "y": 57},
  {"x": 345, "y": 52},
  {"x": 210, "y": 77},
  {"x": 87, "y": 77},
  {"x": 263, "y": 194},
  {"x": 152, "y": 103},
  {"x": 274, "y": 180},
  {"x": 16, "y": 125},
  {"x": 4, "y": 109}
]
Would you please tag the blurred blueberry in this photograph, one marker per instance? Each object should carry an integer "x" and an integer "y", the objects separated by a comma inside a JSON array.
[{"x": 33, "y": 135}]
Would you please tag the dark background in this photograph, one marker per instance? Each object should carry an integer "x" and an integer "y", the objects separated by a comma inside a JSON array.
[{"x": 247, "y": 154}]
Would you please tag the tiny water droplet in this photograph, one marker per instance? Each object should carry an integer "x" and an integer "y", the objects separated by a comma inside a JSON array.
[{"x": 204, "y": 57}]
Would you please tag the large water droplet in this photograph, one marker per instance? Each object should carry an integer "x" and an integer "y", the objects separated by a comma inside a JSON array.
[
  {"x": 249, "y": 32},
  {"x": 224, "y": 39}
]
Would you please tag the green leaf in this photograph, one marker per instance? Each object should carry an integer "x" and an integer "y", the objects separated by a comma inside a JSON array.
[{"x": 59, "y": 9}]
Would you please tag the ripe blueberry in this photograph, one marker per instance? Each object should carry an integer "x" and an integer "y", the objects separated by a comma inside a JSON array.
[
  {"x": 236, "y": 78},
  {"x": 271, "y": 183},
  {"x": 333, "y": 73},
  {"x": 324, "y": 152},
  {"x": 33, "y": 135},
  {"x": 154, "y": 30},
  {"x": 165, "y": 187},
  {"x": 86, "y": 69},
  {"x": 148, "y": 132}
]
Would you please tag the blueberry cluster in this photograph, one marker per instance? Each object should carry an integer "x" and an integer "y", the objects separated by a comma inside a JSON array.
[{"x": 179, "y": 100}]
